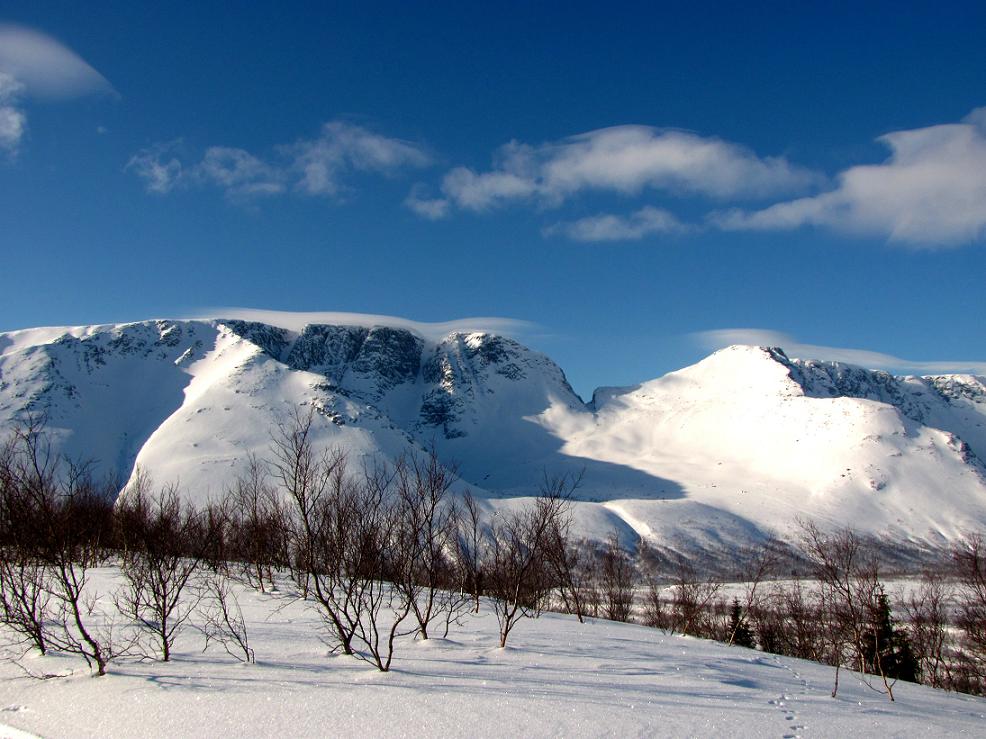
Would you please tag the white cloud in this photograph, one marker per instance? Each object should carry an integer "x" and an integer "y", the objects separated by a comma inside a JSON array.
[
  {"x": 13, "y": 121},
  {"x": 720, "y": 338},
  {"x": 432, "y": 209},
  {"x": 158, "y": 166},
  {"x": 239, "y": 172},
  {"x": 930, "y": 192},
  {"x": 296, "y": 321},
  {"x": 45, "y": 67},
  {"x": 627, "y": 160},
  {"x": 33, "y": 64},
  {"x": 317, "y": 166},
  {"x": 608, "y": 227},
  {"x": 342, "y": 148}
]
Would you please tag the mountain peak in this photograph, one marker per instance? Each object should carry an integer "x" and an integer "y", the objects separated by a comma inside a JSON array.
[{"x": 743, "y": 442}]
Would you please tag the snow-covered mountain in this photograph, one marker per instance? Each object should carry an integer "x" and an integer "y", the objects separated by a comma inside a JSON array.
[{"x": 715, "y": 455}]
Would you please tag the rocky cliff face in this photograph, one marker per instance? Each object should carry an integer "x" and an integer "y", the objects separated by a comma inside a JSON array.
[
  {"x": 364, "y": 362},
  {"x": 465, "y": 373}
]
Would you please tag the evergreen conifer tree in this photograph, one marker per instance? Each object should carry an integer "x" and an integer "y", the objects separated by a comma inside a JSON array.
[
  {"x": 741, "y": 634},
  {"x": 887, "y": 649}
]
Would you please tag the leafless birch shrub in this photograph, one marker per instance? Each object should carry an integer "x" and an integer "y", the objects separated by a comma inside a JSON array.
[
  {"x": 57, "y": 527},
  {"x": 258, "y": 525},
  {"x": 519, "y": 579},
  {"x": 223, "y": 617},
  {"x": 375, "y": 557},
  {"x": 806, "y": 632},
  {"x": 25, "y": 601},
  {"x": 24, "y": 597},
  {"x": 926, "y": 612},
  {"x": 655, "y": 612},
  {"x": 691, "y": 602},
  {"x": 618, "y": 578},
  {"x": 162, "y": 544},
  {"x": 345, "y": 543},
  {"x": 851, "y": 596},
  {"x": 760, "y": 563},
  {"x": 321, "y": 512},
  {"x": 970, "y": 570},
  {"x": 575, "y": 566},
  {"x": 216, "y": 546},
  {"x": 472, "y": 549},
  {"x": 426, "y": 535},
  {"x": 78, "y": 524}
]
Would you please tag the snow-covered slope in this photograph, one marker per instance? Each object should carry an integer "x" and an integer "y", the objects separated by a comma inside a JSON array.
[
  {"x": 710, "y": 457},
  {"x": 556, "y": 678},
  {"x": 753, "y": 437}
]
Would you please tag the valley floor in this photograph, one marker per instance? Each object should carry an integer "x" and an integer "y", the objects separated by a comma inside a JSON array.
[{"x": 557, "y": 678}]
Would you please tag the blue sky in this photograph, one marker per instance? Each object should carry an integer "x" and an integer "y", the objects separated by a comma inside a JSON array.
[{"x": 639, "y": 183}]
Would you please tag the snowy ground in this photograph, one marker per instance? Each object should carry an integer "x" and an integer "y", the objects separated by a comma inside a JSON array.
[{"x": 558, "y": 678}]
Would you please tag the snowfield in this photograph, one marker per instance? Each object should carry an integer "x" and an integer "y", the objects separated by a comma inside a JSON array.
[{"x": 556, "y": 678}]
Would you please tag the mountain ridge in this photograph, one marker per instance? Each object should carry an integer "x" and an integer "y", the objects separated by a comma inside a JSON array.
[{"x": 726, "y": 451}]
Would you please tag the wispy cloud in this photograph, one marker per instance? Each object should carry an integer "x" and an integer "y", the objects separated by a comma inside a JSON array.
[
  {"x": 320, "y": 166},
  {"x": 719, "y": 338},
  {"x": 239, "y": 172},
  {"x": 13, "y": 121},
  {"x": 296, "y": 321},
  {"x": 647, "y": 221},
  {"x": 158, "y": 166},
  {"x": 34, "y": 65},
  {"x": 930, "y": 192},
  {"x": 342, "y": 148},
  {"x": 432, "y": 209},
  {"x": 627, "y": 160}
]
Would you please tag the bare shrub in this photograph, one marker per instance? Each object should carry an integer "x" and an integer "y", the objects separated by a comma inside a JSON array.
[
  {"x": 64, "y": 523},
  {"x": 258, "y": 525},
  {"x": 472, "y": 549},
  {"x": 426, "y": 533},
  {"x": 760, "y": 562},
  {"x": 926, "y": 612},
  {"x": 24, "y": 597},
  {"x": 161, "y": 552},
  {"x": 691, "y": 602},
  {"x": 655, "y": 613},
  {"x": 519, "y": 579},
  {"x": 575, "y": 566},
  {"x": 224, "y": 622},
  {"x": 321, "y": 514},
  {"x": 851, "y": 596},
  {"x": 969, "y": 559},
  {"x": 618, "y": 577}
]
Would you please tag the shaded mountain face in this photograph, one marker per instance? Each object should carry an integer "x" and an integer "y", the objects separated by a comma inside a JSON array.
[{"x": 705, "y": 459}]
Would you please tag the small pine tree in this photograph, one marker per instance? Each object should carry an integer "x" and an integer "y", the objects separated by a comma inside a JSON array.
[
  {"x": 887, "y": 648},
  {"x": 741, "y": 634}
]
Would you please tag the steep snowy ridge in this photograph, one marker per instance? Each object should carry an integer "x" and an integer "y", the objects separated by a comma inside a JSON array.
[
  {"x": 742, "y": 437},
  {"x": 955, "y": 403},
  {"x": 103, "y": 390},
  {"x": 707, "y": 458}
]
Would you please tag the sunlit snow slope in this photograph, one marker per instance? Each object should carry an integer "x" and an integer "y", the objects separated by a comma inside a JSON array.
[{"x": 715, "y": 455}]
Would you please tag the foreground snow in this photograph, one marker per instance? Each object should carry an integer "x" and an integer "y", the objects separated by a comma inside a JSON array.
[{"x": 558, "y": 678}]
